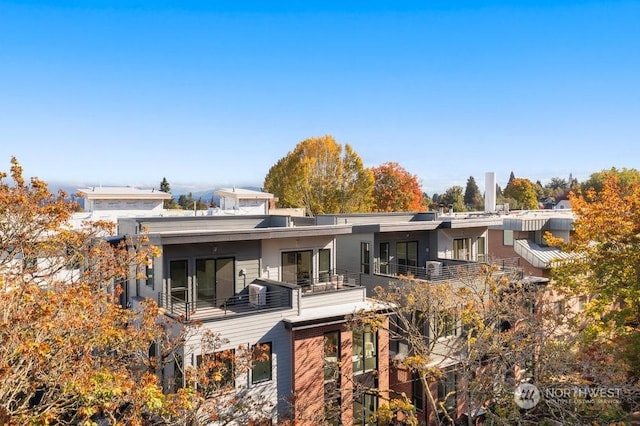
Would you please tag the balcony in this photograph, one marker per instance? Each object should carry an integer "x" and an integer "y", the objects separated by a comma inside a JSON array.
[
  {"x": 177, "y": 304},
  {"x": 446, "y": 270},
  {"x": 330, "y": 282}
]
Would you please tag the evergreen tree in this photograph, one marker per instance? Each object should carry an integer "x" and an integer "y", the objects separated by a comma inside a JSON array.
[
  {"x": 166, "y": 187},
  {"x": 472, "y": 197}
]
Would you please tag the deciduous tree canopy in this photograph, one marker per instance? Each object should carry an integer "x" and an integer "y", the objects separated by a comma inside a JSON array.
[
  {"x": 396, "y": 190},
  {"x": 605, "y": 267},
  {"x": 522, "y": 193},
  {"x": 319, "y": 176}
]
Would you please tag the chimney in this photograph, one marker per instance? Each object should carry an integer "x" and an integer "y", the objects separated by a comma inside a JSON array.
[{"x": 490, "y": 192}]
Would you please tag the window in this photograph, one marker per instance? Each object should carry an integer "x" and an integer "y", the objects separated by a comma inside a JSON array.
[
  {"x": 297, "y": 267},
  {"x": 29, "y": 263},
  {"x": 332, "y": 393},
  {"x": 407, "y": 255},
  {"x": 148, "y": 272},
  {"x": 384, "y": 258},
  {"x": 447, "y": 391},
  {"x": 446, "y": 323},
  {"x": 507, "y": 237},
  {"x": 261, "y": 370},
  {"x": 582, "y": 303},
  {"x": 364, "y": 408},
  {"x": 331, "y": 355},
  {"x": 178, "y": 371},
  {"x": 558, "y": 307},
  {"x": 365, "y": 351},
  {"x": 481, "y": 244},
  {"x": 324, "y": 264},
  {"x": 215, "y": 281},
  {"x": 417, "y": 392},
  {"x": 178, "y": 277},
  {"x": 461, "y": 248},
  {"x": 216, "y": 370},
  {"x": 365, "y": 262}
]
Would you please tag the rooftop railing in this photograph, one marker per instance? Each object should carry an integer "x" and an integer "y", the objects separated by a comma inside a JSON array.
[
  {"x": 447, "y": 270},
  {"x": 328, "y": 282},
  {"x": 177, "y": 305}
]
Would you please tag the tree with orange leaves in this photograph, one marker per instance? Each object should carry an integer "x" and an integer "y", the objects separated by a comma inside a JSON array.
[
  {"x": 322, "y": 177},
  {"x": 70, "y": 353},
  {"x": 396, "y": 190},
  {"x": 605, "y": 270}
]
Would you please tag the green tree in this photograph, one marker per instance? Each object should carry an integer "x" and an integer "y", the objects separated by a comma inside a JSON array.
[
  {"x": 522, "y": 194},
  {"x": 321, "y": 177},
  {"x": 596, "y": 180},
  {"x": 453, "y": 198},
  {"x": 166, "y": 188},
  {"x": 472, "y": 197},
  {"x": 395, "y": 189}
]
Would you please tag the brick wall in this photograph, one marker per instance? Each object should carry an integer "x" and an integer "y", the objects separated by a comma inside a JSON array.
[{"x": 308, "y": 372}]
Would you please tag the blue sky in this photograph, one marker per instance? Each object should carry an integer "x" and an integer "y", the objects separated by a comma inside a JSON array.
[{"x": 213, "y": 93}]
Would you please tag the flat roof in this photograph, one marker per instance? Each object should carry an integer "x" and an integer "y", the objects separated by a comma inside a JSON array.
[
  {"x": 121, "y": 193},
  {"x": 244, "y": 194}
]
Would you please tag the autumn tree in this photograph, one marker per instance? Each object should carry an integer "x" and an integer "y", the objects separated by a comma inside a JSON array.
[
  {"x": 605, "y": 266},
  {"x": 467, "y": 323},
  {"x": 166, "y": 187},
  {"x": 453, "y": 198},
  {"x": 322, "y": 177},
  {"x": 495, "y": 329},
  {"x": 396, "y": 190},
  {"x": 472, "y": 197},
  {"x": 70, "y": 353},
  {"x": 522, "y": 194}
]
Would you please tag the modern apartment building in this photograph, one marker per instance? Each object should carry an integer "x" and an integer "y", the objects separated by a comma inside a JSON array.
[{"x": 269, "y": 281}]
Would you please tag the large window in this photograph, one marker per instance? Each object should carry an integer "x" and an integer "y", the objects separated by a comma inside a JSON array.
[
  {"x": 297, "y": 267},
  {"x": 407, "y": 255},
  {"x": 481, "y": 244},
  {"x": 261, "y": 370},
  {"x": 446, "y": 323},
  {"x": 331, "y": 355},
  {"x": 179, "y": 278},
  {"x": 365, "y": 258},
  {"x": 364, "y": 408},
  {"x": 417, "y": 392},
  {"x": 324, "y": 264},
  {"x": 365, "y": 351},
  {"x": 462, "y": 248},
  {"x": 216, "y": 371},
  {"x": 215, "y": 281},
  {"x": 447, "y": 391},
  {"x": 384, "y": 258},
  {"x": 332, "y": 393}
]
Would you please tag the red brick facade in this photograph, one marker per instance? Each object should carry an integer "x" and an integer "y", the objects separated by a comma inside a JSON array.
[{"x": 308, "y": 372}]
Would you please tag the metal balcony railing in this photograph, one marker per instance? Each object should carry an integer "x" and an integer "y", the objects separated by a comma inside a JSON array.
[
  {"x": 449, "y": 270},
  {"x": 178, "y": 305},
  {"x": 329, "y": 282}
]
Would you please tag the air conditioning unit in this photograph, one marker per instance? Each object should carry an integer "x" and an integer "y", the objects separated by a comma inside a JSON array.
[
  {"x": 257, "y": 295},
  {"x": 433, "y": 268}
]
